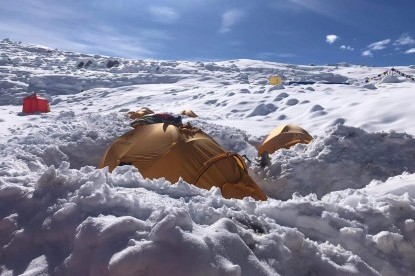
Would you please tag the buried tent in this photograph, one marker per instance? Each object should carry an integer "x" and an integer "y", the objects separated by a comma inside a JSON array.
[
  {"x": 284, "y": 136},
  {"x": 164, "y": 150},
  {"x": 34, "y": 103}
]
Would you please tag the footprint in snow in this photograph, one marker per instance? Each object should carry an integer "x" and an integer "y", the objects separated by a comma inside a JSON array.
[
  {"x": 318, "y": 113},
  {"x": 292, "y": 102},
  {"x": 339, "y": 121},
  {"x": 263, "y": 110},
  {"x": 317, "y": 107},
  {"x": 282, "y": 95},
  {"x": 211, "y": 102}
]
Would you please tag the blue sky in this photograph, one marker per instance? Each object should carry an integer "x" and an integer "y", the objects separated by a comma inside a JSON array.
[{"x": 371, "y": 32}]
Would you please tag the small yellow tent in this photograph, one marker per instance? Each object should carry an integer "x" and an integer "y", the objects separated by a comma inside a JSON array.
[
  {"x": 275, "y": 80},
  {"x": 284, "y": 136},
  {"x": 140, "y": 113},
  {"x": 189, "y": 113},
  {"x": 164, "y": 150}
]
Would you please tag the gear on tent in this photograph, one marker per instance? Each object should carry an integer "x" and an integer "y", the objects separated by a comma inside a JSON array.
[
  {"x": 182, "y": 151},
  {"x": 264, "y": 160},
  {"x": 158, "y": 118}
]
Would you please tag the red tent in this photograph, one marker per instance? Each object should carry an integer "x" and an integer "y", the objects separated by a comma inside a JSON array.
[{"x": 34, "y": 103}]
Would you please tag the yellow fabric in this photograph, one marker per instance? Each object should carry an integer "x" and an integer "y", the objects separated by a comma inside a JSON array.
[
  {"x": 245, "y": 187},
  {"x": 140, "y": 113},
  {"x": 209, "y": 163},
  {"x": 163, "y": 150},
  {"x": 275, "y": 80},
  {"x": 188, "y": 113},
  {"x": 284, "y": 136}
]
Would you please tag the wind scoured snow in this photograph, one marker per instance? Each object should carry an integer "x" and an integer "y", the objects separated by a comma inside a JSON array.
[{"x": 342, "y": 205}]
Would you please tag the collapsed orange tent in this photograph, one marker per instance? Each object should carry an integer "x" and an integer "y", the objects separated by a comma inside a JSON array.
[
  {"x": 164, "y": 150},
  {"x": 284, "y": 136}
]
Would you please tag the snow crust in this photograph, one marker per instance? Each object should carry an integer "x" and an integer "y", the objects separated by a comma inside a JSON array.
[{"x": 342, "y": 205}]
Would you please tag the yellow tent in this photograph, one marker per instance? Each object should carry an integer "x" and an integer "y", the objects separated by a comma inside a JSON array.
[
  {"x": 164, "y": 150},
  {"x": 140, "y": 113},
  {"x": 188, "y": 113},
  {"x": 275, "y": 80},
  {"x": 284, "y": 136}
]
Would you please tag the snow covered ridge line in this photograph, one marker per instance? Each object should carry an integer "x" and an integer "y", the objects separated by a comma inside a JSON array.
[
  {"x": 30, "y": 68},
  {"x": 15, "y": 54}
]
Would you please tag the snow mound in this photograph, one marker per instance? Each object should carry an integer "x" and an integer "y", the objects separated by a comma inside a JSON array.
[
  {"x": 92, "y": 222},
  {"x": 390, "y": 79},
  {"x": 345, "y": 157},
  {"x": 370, "y": 86},
  {"x": 78, "y": 139},
  {"x": 263, "y": 110}
]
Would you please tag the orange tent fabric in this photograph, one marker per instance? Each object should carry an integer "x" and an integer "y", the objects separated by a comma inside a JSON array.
[
  {"x": 35, "y": 103},
  {"x": 164, "y": 150},
  {"x": 284, "y": 136},
  {"x": 189, "y": 113}
]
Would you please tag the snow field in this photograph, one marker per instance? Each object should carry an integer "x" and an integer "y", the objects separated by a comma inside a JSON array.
[{"x": 342, "y": 205}]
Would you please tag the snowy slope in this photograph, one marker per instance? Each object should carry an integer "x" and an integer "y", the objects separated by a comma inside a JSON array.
[{"x": 342, "y": 205}]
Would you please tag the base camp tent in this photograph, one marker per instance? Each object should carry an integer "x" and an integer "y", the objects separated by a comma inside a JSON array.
[
  {"x": 164, "y": 150},
  {"x": 34, "y": 103},
  {"x": 284, "y": 136},
  {"x": 274, "y": 80}
]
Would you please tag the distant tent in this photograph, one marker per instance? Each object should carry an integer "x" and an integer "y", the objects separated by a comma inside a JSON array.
[
  {"x": 188, "y": 113},
  {"x": 34, "y": 103},
  {"x": 284, "y": 136},
  {"x": 164, "y": 150},
  {"x": 140, "y": 113},
  {"x": 275, "y": 80}
]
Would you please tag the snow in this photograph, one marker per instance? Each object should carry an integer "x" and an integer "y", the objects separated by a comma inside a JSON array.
[{"x": 342, "y": 205}]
